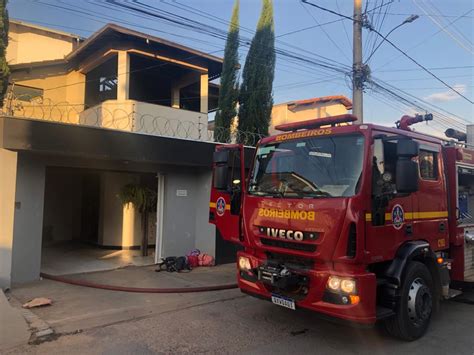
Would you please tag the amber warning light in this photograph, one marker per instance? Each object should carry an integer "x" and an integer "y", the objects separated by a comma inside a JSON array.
[{"x": 316, "y": 123}]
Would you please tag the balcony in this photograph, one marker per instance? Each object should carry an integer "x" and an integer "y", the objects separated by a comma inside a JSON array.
[{"x": 142, "y": 117}]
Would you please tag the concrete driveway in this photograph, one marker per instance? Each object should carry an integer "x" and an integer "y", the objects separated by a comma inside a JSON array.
[{"x": 92, "y": 321}]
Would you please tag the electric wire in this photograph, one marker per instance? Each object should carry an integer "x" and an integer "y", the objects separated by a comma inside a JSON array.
[{"x": 398, "y": 49}]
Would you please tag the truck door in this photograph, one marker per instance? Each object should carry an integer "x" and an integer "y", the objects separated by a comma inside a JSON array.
[
  {"x": 228, "y": 185},
  {"x": 389, "y": 223},
  {"x": 430, "y": 221}
]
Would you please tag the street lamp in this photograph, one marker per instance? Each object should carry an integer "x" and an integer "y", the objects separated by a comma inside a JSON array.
[{"x": 409, "y": 19}]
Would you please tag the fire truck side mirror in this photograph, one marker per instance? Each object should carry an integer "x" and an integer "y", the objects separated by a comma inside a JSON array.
[
  {"x": 407, "y": 148},
  {"x": 221, "y": 156},
  {"x": 407, "y": 170},
  {"x": 406, "y": 176},
  {"x": 221, "y": 177},
  {"x": 221, "y": 169}
]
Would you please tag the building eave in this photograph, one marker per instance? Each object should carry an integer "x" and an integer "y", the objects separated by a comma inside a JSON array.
[
  {"x": 46, "y": 29},
  {"x": 127, "y": 31},
  {"x": 340, "y": 99}
]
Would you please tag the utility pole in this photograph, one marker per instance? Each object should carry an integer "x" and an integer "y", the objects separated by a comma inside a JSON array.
[{"x": 357, "y": 65}]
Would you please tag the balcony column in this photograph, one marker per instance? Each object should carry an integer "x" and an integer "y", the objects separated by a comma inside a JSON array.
[
  {"x": 204, "y": 92},
  {"x": 123, "y": 75},
  {"x": 175, "y": 96}
]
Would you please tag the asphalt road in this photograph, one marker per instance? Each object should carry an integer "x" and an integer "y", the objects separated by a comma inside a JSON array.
[{"x": 246, "y": 325}]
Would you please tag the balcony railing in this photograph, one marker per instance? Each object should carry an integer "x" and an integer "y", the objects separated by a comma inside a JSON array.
[{"x": 130, "y": 115}]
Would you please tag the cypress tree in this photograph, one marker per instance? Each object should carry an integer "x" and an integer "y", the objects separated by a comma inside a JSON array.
[
  {"x": 256, "y": 97},
  {"x": 229, "y": 90},
  {"x": 4, "y": 70}
]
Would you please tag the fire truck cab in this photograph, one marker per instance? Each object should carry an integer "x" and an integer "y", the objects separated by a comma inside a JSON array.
[{"x": 357, "y": 222}]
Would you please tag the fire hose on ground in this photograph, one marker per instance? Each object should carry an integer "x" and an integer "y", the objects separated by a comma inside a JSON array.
[{"x": 85, "y": 283}]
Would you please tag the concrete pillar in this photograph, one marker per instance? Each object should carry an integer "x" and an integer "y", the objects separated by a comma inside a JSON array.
[
  {"x": 28, "y": 224},
  {"x": 175, "y": 96},
  {"x": 8, "y": 164},
  {"x": 123, "y": 75},
  {"x": 204, "y": 92},
  {"x": 118, "y": 225}
]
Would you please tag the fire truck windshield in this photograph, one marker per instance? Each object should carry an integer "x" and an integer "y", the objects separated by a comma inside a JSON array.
[{"x": 310, "y": 167}]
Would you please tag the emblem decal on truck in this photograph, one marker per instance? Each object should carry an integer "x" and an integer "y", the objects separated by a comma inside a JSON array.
[
  {"x": 220, "y": 206},
  {"x": 398, "y": 216},
  {"x": 284, "y": 234}
]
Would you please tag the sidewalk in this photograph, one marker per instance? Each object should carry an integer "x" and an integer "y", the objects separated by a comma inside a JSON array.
[
  {"x": 13, "y": 328},
  {"x": 77, "y": 308}
]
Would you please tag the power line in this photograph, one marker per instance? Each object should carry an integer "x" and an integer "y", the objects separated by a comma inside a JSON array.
[
  {"x": 423, "y": 67},
  {"x": 397, "y": 48},
  {"x": 199, "y": 12},
  {"x": 344, "y": 25},
  {"x": 444, "y": 29},
  {"x": 308, "y": 28},
  {"x": 435, "y": 15},
  {"x": 424, "y": 40},
  {"x": 328, "y": 10},
  {"x": 329, "y": 64},
  {"x": 450, "y": 118},
  {"x": 375, "y": 46},
  {"x": 378, "y": 7},
  {"x": 324, "y": 31},
  {"x": 87, "y": 13},
  {"x": 432, "y": 68}
]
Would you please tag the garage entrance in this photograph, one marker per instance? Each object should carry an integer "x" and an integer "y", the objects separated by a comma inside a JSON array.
[{"x": 86, "y": 227}]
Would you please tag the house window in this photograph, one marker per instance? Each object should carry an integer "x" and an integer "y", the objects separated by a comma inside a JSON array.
[
  {"x": 107, "y": 84},
  {"x": 25, "y": 93},
  {"x": 428, "y": 162}
]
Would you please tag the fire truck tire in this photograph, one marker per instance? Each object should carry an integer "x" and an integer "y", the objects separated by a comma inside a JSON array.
[{"x": 415, "y": 307}]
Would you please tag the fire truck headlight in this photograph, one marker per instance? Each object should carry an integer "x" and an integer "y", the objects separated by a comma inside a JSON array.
[
  {"x": 334, "y": 283},
  {"x": 348, "y": 286},
  {"x": 244, "y": 263}
]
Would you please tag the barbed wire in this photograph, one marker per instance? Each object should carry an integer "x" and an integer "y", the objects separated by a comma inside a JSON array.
[{"x": 126, "y": 116}]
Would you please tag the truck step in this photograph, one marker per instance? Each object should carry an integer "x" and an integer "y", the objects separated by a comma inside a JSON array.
[
  {"x": 383, "y": 312},
  {"x": 453, "y": 293}
]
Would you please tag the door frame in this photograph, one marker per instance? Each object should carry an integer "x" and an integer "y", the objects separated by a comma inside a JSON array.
[{"x": 160, "y": 199}]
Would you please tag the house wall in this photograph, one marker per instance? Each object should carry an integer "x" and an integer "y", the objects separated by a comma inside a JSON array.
[
  {"x": 29, "y": 201},
  {"x": 8, "y": 164},
  {"x": 179, "y": 214},
  {"x": 205, "y": 232},
  {"x": 63, "y": 95},
  {"x": 29, "y": 44},
  {"x": 185, "y": 218},
  {"x": 281, "y": 114}
]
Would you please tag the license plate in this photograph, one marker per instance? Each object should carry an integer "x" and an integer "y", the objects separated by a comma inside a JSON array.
[{"x": 283, "y": 302}]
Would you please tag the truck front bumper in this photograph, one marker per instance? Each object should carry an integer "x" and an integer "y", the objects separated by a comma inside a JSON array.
[{"x": 317, "y": 296}]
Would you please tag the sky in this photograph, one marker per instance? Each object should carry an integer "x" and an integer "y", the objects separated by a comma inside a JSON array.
[{"x": 440, "y": 39}]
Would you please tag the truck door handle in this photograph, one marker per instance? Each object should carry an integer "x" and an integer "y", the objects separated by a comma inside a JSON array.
[
  {"x": 442, "y": 227},
  {"x": 409, "y": 229}
]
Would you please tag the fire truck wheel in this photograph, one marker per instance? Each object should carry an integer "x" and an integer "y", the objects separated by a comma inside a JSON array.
[{"x": 413, "y": 312}]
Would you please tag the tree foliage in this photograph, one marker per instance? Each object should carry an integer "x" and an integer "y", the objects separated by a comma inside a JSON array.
[
  {"x": 256, "y": 94},
  {"x": 229, "y": 91},
  {"x": 4, "y": 70}
]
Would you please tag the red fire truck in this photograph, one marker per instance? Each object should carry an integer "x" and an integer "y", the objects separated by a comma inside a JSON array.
[{"x": 354, "y": 221}]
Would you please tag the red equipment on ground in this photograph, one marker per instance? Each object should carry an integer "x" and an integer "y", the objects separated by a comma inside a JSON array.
[{"x": 358, "y": 222}]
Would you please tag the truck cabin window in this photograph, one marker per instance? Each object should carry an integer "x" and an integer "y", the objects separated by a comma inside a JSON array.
[
  {"x": 318, "y": 167},
  {"x": 428, "y": 162}
]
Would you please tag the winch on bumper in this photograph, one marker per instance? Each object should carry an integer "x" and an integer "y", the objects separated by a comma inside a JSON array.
[
  {"x": 309, "y": 289},
  {"x": 279, "y": 278}
]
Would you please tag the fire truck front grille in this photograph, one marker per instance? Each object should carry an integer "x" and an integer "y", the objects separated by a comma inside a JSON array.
[{"x": 310, "y": 248}]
